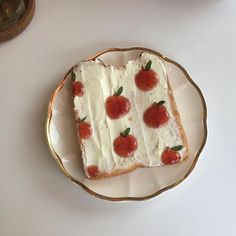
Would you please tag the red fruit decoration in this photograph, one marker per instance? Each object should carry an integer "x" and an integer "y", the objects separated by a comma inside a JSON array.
[
  {"x": 92, "y": 170},
  {"x": 125, "y": 145},
  {"x": 156, "y": 115},
  {"x": 77, "y": 86},
  {"x": 84, "y": 129},
  {"x": 171, "y": 155},
  {"x": 146, "y": 79},
  {"x": 116, "y": 105}
]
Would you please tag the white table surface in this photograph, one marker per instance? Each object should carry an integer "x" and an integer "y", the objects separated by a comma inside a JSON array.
[{"x": 35, "y": 198}]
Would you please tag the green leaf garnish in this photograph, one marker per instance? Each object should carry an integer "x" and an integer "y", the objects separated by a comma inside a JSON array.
[
  {"x": 148, "y": 65},
  {"x": 125, "y": 133},
  {"x": 177, "y": 148},
  {"x": 160, "y": 103},
  {"x": 73, "y": 76},
  {"x": 83, "y": 119},
  {"x": 119, "y": 91}
]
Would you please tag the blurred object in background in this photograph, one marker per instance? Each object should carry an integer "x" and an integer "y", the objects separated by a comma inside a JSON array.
[
  {"x": 15, "y": 15},
  {"x": 10, "y": 12}
]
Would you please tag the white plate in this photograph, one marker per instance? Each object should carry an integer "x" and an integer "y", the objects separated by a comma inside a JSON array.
[{"x": 143, "y": 183}]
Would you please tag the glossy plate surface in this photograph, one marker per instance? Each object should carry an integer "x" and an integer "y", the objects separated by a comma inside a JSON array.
[{"x": 143, "y": 183}]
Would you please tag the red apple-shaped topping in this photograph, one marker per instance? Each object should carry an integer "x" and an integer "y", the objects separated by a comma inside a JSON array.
[
  {"x": 156, "y": 115},
  {"x": 92, "y": 170},
  {"x": 117, "y": 105},
  {"x": 171, "y": 155},
  {"x": 146, "y": 79},
  {"x": 84, "y": 129},
  {"x": 77, "y": 86},
  {"x": 126, "y": 144}
]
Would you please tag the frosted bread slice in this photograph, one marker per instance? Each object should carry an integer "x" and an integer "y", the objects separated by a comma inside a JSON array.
[{"x": 126, "y": 116}]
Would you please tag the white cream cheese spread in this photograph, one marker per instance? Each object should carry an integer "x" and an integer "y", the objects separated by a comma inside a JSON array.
[{"x": 101, "y": 81}]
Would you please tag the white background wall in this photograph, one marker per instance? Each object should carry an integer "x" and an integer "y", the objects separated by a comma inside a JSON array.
[{"x": 35, "y": 198}]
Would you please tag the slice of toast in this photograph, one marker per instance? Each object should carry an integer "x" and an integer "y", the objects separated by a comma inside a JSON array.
[{"x": 158, "y": 136}]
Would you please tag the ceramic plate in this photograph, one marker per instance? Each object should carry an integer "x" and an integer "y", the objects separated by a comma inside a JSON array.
[{"x": 143, "y": 183}]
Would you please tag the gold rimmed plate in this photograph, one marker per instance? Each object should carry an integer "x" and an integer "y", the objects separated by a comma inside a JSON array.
[{"x": 143, "y": 183}]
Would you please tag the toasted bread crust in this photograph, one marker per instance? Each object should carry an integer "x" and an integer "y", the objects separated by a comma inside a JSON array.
[
  {"x": 117, "y": 172},
  {"x": 178, "y": 120}
]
